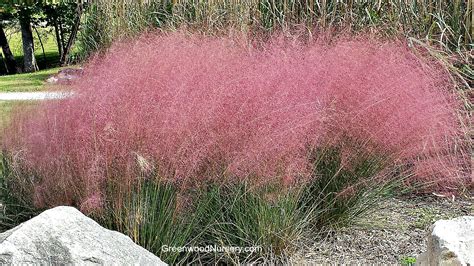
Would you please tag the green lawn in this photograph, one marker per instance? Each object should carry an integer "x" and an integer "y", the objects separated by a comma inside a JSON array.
[{"x": 27, "y": 81}]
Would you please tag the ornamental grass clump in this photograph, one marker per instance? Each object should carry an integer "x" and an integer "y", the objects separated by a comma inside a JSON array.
[{"x": 327, "y": 124}]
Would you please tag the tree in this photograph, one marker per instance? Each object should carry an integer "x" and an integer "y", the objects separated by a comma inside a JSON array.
[
  {"x": 29, "y": 60},
  {"x": 75, "y": 29},
  {"x": 64, "y": 17},
  {"x": 10, "y": 62}
]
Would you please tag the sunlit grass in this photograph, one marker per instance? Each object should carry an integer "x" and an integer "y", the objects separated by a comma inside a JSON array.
[{"x": 27, "y": 81}]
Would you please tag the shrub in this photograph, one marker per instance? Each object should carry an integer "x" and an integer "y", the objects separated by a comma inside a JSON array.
[{"x": 330, "y": 125}]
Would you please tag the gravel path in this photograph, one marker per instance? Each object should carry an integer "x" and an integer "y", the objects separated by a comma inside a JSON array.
[
  {"x": 393, "y": 233},
  {"x": 39, "y": 95}
]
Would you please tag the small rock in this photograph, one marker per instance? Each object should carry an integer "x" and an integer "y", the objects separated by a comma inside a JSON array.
[
  {"x": 65, "y": 76},
  {"x": 63, "y": 235},
  {"x": 450, "y": 242},
  {"x": 52, "y": 80}
]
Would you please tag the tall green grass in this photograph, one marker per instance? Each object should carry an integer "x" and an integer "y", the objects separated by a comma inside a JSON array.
[
  {"x": 447, "y": 22},
  {"x": 13, "y": 209},
  {"x": 274, "y": 220},
  {"x": 150, "y": 216}
]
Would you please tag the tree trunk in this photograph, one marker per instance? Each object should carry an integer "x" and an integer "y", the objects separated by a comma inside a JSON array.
[
  {"x": 58, "y": 38},
  {"x": 9, "y": 59},
  {"x": 3, "y": 69},
  {"x": 29, "y": 59},
  {"x": 41, "y": 43},
  {"x": 61, "y": 33},
  {"x": 72, "y": 36}
]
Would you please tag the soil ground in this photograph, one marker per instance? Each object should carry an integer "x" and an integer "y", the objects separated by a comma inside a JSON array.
[{"x": 394, "y": 233}]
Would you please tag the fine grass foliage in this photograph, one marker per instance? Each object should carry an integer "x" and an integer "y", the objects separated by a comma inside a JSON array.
[
  {"x": 444, "y": 28},
  {"x": 149, "y": 214},
  {"x": 345, "y": 186},
  {"x": 270, "y": 221},
  {"x": 7, "y": 108},
  {"x": 14, "y": 209},
  {"x": 190, "y": 140}
]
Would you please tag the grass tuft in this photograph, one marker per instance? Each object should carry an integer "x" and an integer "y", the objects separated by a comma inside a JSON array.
[{"x": 186, "y": 140}]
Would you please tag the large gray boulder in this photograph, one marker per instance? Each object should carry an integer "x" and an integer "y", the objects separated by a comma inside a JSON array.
[
  {"x": 450, "y": 242},
  {"x": 63, "y": 235}
]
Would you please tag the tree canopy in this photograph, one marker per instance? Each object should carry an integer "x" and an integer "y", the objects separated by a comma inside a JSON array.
[{"x": 62, "y": 16}]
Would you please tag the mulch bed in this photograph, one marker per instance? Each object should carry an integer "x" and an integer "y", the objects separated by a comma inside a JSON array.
[{"x": 393, "y": 233}]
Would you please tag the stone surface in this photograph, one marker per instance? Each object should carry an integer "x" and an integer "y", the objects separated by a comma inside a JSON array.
[
  {"x": 63, "y": 235},
  {"x": 450, "y": 242},
  {"x": 66, "y": 76}
]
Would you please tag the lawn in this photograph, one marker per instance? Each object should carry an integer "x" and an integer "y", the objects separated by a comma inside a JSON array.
[{"x": 26, "y": 81}]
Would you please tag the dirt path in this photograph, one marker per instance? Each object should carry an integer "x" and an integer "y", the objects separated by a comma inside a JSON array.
[
  {"x": 395, "y": 233},
  {"x": 39, "y": 95}
]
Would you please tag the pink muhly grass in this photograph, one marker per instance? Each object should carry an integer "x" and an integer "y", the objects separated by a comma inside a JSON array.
[{"x": 201, "y": 109}]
